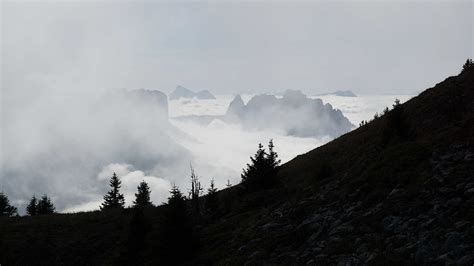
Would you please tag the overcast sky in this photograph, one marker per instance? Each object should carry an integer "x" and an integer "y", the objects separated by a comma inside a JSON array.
[{"x": 369, "y": 47}]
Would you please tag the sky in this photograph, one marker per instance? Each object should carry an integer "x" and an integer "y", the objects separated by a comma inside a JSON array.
[{"x": 385, "y": 47}]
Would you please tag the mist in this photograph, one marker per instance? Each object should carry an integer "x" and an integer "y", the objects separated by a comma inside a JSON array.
[{"x": 64, "y": 130}]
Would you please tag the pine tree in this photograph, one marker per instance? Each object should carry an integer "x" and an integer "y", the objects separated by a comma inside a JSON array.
[
  {"x": 211, "y": 198},
  {"x": 5, "y": 208},
  {"x": 45, "y": 206},
  {"x": 32, "y": 208},
  {"x": 113, "y": 199},
  {"x": 142, "y": 197}
]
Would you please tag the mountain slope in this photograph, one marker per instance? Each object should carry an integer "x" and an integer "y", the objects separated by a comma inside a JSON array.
[{"x": 397, "y": 190}]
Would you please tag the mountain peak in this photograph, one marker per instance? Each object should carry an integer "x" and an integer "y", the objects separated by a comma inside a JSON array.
[{"x": 182, "y": 92}]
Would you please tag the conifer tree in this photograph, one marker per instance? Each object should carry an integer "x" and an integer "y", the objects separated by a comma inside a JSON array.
[
  {"x": 45, "y": 206},
  {"x": 252, "y": 176},
  {"x": 176, "y": 198},
  {"x": 176, "y": 238},
  {"x": 32, "y": 208},
  {"x": 263, "y": 169},
  {"x": 272, "y": 157},
  {"x": 469, "y": 63},
  {"x": 113, "y": 199},
  {"x": 5, "y": 208},
  {"x": 211, "y": 198},
  {"x": 142, "y": 197}
]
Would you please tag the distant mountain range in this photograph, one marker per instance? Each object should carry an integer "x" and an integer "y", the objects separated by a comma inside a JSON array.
[
  {"x": 182, "y": 92},
  {"x": 294, "y": 114},
  {"x": 346, "y": 93}
]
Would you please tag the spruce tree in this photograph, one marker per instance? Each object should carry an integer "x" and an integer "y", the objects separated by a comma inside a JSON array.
[
  {"x": 142, "y": 197},
  {"x": 176, "y": 198},
  {"x": 45, "y": 206},
  {"x": 176, "y": 235},
  {"x": 113, "y": 199},
  {"x": 5, "y": 208},
  {"x": 469, "y": 63},
  {"x": 211, "y": 198},
  {"x": 263, "y": 169},
  {"x": 32, "y": 208},
  {"x": 272, "y": 157},
  {"x": 252, "y": 176}
]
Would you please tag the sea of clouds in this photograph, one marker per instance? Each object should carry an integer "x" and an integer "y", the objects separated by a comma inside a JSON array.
[
  {"x": 222, "y": 150},
  {"x": 69, "y": 146}
]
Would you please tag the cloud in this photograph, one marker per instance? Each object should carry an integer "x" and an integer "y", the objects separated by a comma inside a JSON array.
[
  {"x": 237, "y": 46},
  {"x": 58, "y": 130},
  {"x": 130, "y": 179}
]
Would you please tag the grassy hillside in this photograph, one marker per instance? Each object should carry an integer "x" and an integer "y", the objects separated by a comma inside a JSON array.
[{"x": 397, "y": 190}]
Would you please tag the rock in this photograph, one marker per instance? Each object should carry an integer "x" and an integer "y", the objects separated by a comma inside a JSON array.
[
  {"x": 466, "y": 260},
  {"x": 469, "y": 185},
  {"x": 446, "y": 190},
  {"x": 270, "y": 226},
  {"x": 396, "y": 194},
  {"x": 315, "y": 236},
  {"x": 347, "y": 260},
  {"x": 461, "y": 224},
  {"x": 390, "y": 223},
  {"x": 295, "y": 114},
  {"x": 344, "y": 229},
  {"x": 255, "y": 255},
  {"x": 453, "y": 243},
  {"x": 469, "y": 192},
  {"x": 362, "y": 249},
  {"x": 454, "y": 202}
]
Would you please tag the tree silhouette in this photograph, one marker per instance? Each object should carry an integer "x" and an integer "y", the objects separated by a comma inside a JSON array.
[
  {"x": 176, "y": 199},
  {"x": 176, "y": 237},
  {"x": 142, "y": 197},
  {"x": 396, "y": 124},
  {"x": 263, "y": 169},
  {"x": 32, "y": 208},
  {"x": 252, "y": 174},
  {"x": 211, "y": 198},
  {"x": 45, "y": 206},
  {"x": 272, "y": 160},
  {"x": 113, "y": 199},
  {"x": 196, "y": 190},
  {"x": 469, "y": 63},
  {"x": 136, "y": 244},
  {"x": 5, "y": 208}
]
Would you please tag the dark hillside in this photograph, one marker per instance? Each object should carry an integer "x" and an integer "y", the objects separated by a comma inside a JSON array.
[{"x": 399, "y": 190}]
